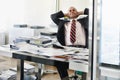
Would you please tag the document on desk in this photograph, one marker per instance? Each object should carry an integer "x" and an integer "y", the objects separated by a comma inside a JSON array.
[
  {"x": 27, "y": 48},
  {"x": 64, "y": 51},
  {"x": 24, "y": 47},
  {"x": 42, "y": 51},
  {"x": 45, "y": 51},
  {"x": 53, "y": 52}
]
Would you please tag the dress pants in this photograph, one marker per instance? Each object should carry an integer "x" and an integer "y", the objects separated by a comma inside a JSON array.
[{"x": 62, "y": 69}]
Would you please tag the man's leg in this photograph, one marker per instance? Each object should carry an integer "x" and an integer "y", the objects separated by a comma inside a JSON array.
[
  {"x": 62, "y": 72},
  {"x": 62, "y": 69}
]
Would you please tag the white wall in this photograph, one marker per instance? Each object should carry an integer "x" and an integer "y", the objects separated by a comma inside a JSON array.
[
  {"x": 79, "y": 4},
  {"x": 11, "y": 12},
  {"x": 32, "y": 12},
  {"x": 37, "y": 12}
]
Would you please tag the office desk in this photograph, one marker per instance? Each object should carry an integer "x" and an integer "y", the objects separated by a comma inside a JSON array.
[
  {"x": 53, "y": 61},
  {"x": 22, "y": 56}
]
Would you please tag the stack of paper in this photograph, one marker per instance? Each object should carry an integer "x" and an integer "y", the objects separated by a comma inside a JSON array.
[
  {"x": 28, "y": 69},
  {"x": 11, "y": 75},
  {"x": 8, "y": 75}
]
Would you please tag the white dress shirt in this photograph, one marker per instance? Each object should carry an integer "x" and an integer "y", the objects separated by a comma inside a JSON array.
[{"x": 80, "y": 34}]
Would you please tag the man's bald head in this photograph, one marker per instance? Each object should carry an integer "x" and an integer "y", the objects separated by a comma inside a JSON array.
[{"x": 73, "y": 13}]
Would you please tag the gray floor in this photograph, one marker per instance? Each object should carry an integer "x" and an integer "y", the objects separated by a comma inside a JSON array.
[{"x": 7, "y": 63}]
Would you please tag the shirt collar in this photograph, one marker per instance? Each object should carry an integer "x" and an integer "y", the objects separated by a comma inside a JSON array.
[{"x": 79, "y": 17}]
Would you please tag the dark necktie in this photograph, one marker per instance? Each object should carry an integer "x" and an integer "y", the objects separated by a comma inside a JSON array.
[{"x": 73, "y": 32}]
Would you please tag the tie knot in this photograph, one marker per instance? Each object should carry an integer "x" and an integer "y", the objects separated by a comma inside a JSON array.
[{"x": 73, "y": 20}]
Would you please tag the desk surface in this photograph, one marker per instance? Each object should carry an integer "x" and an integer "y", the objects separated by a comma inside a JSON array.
[
  {"x": 50, "y": 60},
  {"x": 5, "y": 51}
]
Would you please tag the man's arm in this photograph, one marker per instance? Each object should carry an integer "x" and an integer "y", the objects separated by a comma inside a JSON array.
[
  {"x": 56, "y": 17},
  {"x": 86, "y": 12},
  {"x": 80, "y": 13}
]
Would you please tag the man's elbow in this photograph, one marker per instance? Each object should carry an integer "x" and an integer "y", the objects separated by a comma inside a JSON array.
[{"x": 86, "y": 11}]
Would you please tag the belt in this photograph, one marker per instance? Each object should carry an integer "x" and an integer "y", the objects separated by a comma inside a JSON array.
[{"x": 78, "y": 46}]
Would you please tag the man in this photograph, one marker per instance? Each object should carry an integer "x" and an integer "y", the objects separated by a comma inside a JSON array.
[{"x": 72, "y": 31}]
